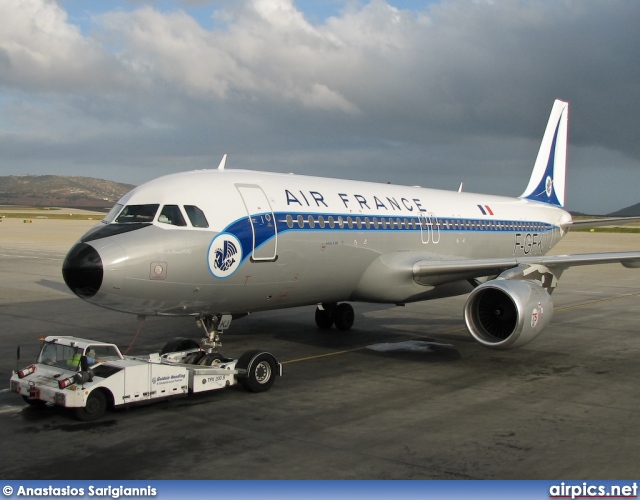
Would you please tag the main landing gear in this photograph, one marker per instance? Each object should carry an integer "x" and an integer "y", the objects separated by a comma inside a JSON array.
[{"x": 340, "y": 315}]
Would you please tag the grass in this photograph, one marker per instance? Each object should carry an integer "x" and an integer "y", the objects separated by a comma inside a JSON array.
[
  {"x": 629, "y": 230},
  {"x": 23, "y": 215}
]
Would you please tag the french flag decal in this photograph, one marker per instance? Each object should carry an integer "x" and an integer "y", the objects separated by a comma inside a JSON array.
[{"x": 485, "y": 210}]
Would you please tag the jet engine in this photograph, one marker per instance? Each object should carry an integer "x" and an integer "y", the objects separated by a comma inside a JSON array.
[{"x": 505, "y": 314}]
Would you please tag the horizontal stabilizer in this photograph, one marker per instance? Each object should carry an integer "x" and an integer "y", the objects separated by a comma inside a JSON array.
[{"x": 601, "y": 222}]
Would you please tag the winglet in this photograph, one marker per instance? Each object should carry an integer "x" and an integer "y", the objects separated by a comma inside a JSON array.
[
  {"x": 222, "y": 162},
  {"x": 547, "y": 182}
]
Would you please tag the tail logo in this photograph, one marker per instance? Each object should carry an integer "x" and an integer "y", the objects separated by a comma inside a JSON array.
[
  {"x": 225, "y": 255},
  {"x": 549, "y": 186}
]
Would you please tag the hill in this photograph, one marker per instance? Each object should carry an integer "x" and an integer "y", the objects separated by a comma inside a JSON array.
[
  {"x": 633, "y": 210},
  {"x": 61, "y": 191},
  {"x": 98, "y": 194}
]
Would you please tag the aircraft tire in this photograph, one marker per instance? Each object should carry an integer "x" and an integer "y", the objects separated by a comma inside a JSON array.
[
  {"x": 324, "y": 319},
  {"x": 344, "y": 316},
  {"x": 261, "y": 371},
  {"x": 212, "y": 359},
  {"x": 95, "y": 407},
  {"x": 194, "y": 358},
  {"x": 178, "y": 344}
]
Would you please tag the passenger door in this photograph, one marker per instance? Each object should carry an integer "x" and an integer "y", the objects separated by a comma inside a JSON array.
[{"x": 263, "y": 222}]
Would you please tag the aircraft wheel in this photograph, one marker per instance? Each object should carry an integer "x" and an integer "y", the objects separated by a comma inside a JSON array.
[
  {"x": 261, "y": 370},
  {"x": 178, "y": 344},
  {"x": 95, "y": 407},
  {"x": 194, "y": 358},
  {"x": 324, "y": 318},
  {"x": 212, "y": 359},
  {"x": 344, "y": 316}
]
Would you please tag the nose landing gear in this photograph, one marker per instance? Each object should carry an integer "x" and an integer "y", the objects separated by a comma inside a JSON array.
[
  {"x": 213, "y": 325},
  {"x": 255, "y": 370}
]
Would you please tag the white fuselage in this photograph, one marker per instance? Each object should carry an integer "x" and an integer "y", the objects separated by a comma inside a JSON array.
[{"x": 281, "y": 240}]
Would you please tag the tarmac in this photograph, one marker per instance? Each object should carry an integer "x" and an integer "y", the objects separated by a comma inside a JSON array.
[{"x": 406, "y": 394}]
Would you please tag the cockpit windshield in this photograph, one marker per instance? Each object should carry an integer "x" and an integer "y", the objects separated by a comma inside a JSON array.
[
  {"x": 196, "y": 216},
  {"x": 171, "y": 215},
  {"x": 113, "y": 213},
  {"x": 137, "y": 214}
]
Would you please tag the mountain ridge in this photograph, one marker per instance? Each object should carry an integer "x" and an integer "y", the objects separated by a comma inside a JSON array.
[
  {"x": 60, "y": 190},
  {"x": 101, "y": 194}
]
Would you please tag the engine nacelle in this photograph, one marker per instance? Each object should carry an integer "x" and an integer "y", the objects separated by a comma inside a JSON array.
[{"x": 505, "y": 314}]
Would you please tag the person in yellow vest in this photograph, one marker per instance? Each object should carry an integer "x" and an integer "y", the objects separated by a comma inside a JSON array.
[{"x": 73, "y": 362}]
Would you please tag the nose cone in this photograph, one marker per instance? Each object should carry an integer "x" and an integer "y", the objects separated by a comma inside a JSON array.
[{"x": 82, "y": 270}]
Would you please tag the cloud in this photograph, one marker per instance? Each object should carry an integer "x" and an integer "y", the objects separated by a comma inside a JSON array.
[
  {"x": 442, "y": 94},
  {"x": 41, "y": 52}
]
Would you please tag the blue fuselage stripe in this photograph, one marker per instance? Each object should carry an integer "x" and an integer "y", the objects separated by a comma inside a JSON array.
[{"x": 331, "y": 222}]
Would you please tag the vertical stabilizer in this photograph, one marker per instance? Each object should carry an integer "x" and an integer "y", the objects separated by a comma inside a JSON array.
[
  {"x": 547, "y": 183},
  {"x": 223, "y": 162}
]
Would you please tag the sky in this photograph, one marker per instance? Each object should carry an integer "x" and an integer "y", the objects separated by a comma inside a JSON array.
[{"x": 430, "y": 93}]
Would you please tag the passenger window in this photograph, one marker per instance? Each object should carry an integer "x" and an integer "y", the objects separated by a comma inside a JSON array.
[
  {"x": 171, "y": 215},
  {"x": 196, "y": 216},
  {"x": 137, "y": 213}
]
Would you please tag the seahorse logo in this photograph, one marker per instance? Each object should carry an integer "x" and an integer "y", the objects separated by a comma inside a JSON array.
[
  {"x": 549, "y": 186},
  {"x": 225, "y": 255}
]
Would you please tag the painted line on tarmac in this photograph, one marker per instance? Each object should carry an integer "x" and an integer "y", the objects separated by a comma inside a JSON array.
[
  {"x": 463, "y": 329},
  {"x": 326, "y": 355},
  {"x": 601, "y": 301},
  {"x": 10, "y": 409}
]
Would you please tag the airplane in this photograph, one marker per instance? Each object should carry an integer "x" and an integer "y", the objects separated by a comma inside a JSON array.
[{"x": 219, "y": 244}]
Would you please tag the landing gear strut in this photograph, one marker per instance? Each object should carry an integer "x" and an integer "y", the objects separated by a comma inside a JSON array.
[
  {"x": 213, "y": 325},
  {"x": 340, "y": 315}
]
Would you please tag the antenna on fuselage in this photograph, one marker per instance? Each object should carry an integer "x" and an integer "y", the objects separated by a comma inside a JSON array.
[
  {"x": 222, "y": 162},
  {"x": 460, "y": 188}
]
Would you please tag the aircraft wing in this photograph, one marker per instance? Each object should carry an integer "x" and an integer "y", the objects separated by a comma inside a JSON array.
[
  {"x": 434, "y": 272},
  {"x": 393, "y": 277}
]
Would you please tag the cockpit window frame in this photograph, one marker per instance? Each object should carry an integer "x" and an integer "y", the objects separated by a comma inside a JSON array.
[
  {"x": 171, "y": 215},
  {"x": 196, "y": 216},
  {"x": 113, "y": 213},
  {"x": 141, "y": 212}
]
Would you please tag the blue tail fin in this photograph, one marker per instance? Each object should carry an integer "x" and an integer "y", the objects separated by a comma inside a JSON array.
[{"x": 547, "y": 182}]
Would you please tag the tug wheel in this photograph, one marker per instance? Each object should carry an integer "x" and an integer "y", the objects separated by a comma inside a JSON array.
[
  {"x": 261, "y": 370},
  {"x": 95, "y": 407}
]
